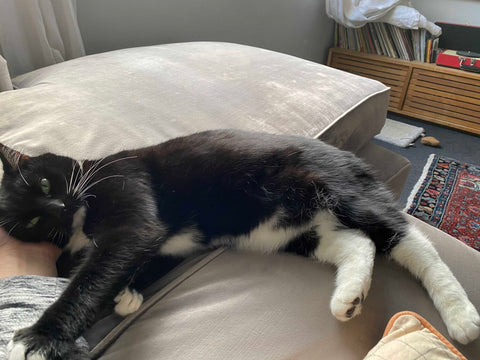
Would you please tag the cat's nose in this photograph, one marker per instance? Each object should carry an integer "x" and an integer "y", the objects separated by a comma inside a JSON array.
[{"x": 55, "y": 207}]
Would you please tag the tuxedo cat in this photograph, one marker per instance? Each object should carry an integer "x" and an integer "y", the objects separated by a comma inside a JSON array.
[{"x": 229, "y": 188}]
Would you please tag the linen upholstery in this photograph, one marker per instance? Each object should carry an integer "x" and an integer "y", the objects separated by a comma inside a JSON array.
[
  {"x": 97, "y": 105},
  {"x": 235, "y": 305},
  {"x": 242, "y": 305},
  {"x": 388, "y": 166}
]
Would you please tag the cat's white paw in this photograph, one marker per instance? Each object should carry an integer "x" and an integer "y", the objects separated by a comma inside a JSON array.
[
  {"x": 16, "y": 351},
  {"x": 128, "y": 301},
  {"x": 463, "y": 323},
  {"x": 32, "y": 344},
  {"x": 347, "y": 301}
]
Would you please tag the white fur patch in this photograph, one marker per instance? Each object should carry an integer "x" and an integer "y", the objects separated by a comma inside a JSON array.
[
  {"x": 78, "y": 240},
  {"x": 267, "y": 237},
  {"x": 417, "y": 254},
  {"x": 183, "y": 243},
  {"x": 16, "y": 351},
  {"x": 128, "y": 301},
  {"x": 350, "y": 250}
]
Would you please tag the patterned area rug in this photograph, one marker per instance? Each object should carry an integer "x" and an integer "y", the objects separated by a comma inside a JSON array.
[{"x": 447, "y": 196}]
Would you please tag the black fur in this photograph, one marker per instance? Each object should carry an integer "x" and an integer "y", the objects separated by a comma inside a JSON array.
[{"x": 222, "y": 183}]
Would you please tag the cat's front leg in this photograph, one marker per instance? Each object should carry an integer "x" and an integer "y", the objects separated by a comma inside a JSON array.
[
  {"x": 99, "y": 279},
  {"x": 30, "y": 344}
]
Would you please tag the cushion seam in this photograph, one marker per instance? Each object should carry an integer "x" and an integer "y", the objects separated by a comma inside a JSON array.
[{"x": 109, "y": 339}]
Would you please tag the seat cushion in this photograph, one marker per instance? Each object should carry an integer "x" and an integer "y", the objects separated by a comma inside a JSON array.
[
  {"x": 96, "y": 105},
  {"x": 240, "y": 305}
]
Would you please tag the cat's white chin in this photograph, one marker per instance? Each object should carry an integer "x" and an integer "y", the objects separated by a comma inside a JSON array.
[{"x": 78, "y": 240}]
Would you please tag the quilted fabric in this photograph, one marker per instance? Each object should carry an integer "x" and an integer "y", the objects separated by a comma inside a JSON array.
[{"x": 408, "y": 337}]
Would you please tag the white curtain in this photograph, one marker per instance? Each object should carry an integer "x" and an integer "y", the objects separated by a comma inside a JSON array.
[
  {"x": 356, "y": 13},
  {"x": 5, "y": 82},
  {"x": 37, "y": 33}
]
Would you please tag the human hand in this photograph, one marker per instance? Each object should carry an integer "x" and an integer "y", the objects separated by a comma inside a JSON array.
[{"x": 20, "y": 258}]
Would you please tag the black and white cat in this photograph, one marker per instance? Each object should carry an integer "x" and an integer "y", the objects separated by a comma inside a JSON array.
[{"x": 218, "y": 188}]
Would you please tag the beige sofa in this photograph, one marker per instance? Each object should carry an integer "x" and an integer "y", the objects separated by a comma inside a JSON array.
[{"x": 226, "y": 305}]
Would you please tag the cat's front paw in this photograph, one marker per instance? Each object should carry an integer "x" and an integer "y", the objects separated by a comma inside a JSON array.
[
  {"x": 463, "y": 323},
  {"x": 28, "y": 345},
  {"x": 128, "y": 301}
]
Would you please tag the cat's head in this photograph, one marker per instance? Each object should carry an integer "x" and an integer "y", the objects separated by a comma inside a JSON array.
[{"x": 36, "y": 196}]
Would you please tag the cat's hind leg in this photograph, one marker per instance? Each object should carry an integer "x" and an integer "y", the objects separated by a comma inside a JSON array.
[
  {"x": 353, "y": 253},
  {"x": 417, "y": 254}
]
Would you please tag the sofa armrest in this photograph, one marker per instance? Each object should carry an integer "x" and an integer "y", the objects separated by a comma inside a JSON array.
[{"x": 390, "y": 167}]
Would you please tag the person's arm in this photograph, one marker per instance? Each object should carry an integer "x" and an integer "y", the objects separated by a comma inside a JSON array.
[
  {"x": 28, "y": 284},
  {"x": 19, "y": 258}
]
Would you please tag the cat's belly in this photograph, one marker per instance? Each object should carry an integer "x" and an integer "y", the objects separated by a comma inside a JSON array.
[
  {"x": 185, "y": 242},
  {"x": 269, "y": 236}
]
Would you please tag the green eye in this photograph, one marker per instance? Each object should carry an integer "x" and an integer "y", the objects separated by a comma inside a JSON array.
[
  {"x": 45, "y": 185},
  {"x": 33, "y": 222}
]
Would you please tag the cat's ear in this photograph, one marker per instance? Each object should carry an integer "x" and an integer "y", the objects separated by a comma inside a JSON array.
[{"x": 11, "y": 159}]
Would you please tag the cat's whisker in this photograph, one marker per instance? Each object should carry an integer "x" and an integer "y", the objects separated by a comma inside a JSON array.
[
  {"x": 84, "y": 183},
  {"x": 54, "y": 238},
  {"x": 55, "y": 235},
  {"x": 87, "y": 176},
  {"x": 70, "y": 184},
  {"x": 23, "y": 178},
  {"x": 98, "y": 181},
  {"x": 5, "y": 222},
  {"x": 66, "y": 184},
  {"x": 86, "y": 196},
  {"x": 79, "y": 175},
  {"x": 50, "y": 233},
  {"x": 109, "y": 163},
  {"x": 13, "y": 227},
  {"x": 75, "y": 177}
]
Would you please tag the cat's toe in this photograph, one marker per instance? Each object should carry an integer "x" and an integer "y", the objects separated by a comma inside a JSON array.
[
  {"x": 346, "y": 306},
  {"x": 464, "y": 324},
  {"x": 128, "y": 301},
  {"x": 28, "y": 345},
  {"x": 16, "y": 350}
]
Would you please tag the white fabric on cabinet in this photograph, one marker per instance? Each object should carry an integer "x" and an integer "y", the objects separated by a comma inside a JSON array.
[{"x": 356, "y": 13}]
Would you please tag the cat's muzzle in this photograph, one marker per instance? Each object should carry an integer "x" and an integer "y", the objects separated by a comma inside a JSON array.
[{"x": 55, "y": 207}]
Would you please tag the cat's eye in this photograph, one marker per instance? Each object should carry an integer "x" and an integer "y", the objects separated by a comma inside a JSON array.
[
  {"x": 45, "y": 186},
  {"x": 33, "y": 222}
]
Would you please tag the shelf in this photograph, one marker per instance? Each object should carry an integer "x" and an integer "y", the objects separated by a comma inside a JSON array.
[{"x": 425, "y": 91}]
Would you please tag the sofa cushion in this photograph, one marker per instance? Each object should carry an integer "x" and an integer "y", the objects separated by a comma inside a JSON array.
[
  {"x": 240, "y": 305},
  {"x": 389, "y": 167},
  {"x": 96, "y": 105}
]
